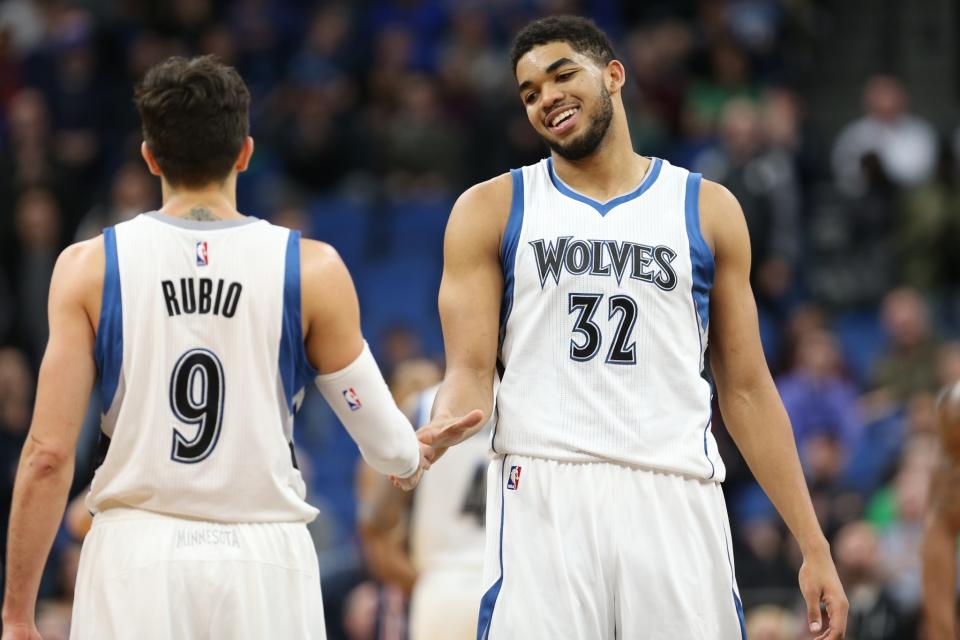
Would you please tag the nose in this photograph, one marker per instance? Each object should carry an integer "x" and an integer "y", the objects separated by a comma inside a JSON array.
[{"x": 550, "y": 95}]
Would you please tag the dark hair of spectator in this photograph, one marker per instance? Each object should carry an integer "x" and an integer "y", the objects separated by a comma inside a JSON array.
[
  {"x": 582, "y": 34},
  {"x": 195, "y": 117}
]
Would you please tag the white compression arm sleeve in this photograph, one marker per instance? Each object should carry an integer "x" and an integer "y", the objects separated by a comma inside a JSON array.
[{"x": 359, "y": 396}]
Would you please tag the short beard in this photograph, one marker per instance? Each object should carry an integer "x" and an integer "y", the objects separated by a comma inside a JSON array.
[{"x": 587, "y": 143}]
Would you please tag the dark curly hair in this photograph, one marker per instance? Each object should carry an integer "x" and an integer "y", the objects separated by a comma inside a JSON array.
[
  {"x": 582, "y": 34},
  {"x": 195, "y": 118}
]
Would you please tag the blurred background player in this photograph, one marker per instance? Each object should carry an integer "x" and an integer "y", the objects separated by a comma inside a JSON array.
[
  {"x": 943, "y": 524},
  {"x": 430, "y": 542},
  {"x": 592, "y": 282},
  {"x": 203, "y": 334}
]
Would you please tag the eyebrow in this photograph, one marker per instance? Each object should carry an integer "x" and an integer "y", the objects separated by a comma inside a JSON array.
[{"x": 553, "y": 66}]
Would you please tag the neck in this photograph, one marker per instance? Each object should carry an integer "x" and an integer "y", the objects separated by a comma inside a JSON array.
[
  {"x": 611, "y": 170},
  {"x": 213, "y": 202}
]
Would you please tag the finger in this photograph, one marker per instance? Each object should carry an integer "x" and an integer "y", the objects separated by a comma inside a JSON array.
[
  {"x": 814, "y": 619},
  {"x": 453, "y": 433}
]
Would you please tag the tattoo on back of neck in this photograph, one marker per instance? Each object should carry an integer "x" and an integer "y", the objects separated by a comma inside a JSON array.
[{"x": 200, "y": 212}]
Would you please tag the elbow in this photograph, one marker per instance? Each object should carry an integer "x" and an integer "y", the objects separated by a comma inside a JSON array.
[{"x": 44, "y": 461}]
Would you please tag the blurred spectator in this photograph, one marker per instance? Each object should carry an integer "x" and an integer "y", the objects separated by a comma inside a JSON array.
[
  {"x": 134, "y": 191},
  {"x": 874, "y": 614},
  {"x": 16, "y": 401},
  {"x": 817, "y": 396},
  {"x": 764, "y": 181},
  {"x": 928, "y": 227},
  {"x": 421, "y": 147},
  {"x": 38, "y": 221},
  {"x": 901, "y": 538},
  {"x": 904, "y": 143},
  {"x": 910, "y": 363},
  {"x": 770, "y": 622}
]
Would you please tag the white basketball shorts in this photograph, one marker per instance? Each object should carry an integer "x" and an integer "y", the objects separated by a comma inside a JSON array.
[
  {"x": 154, "y": 577},
  {"x": 597, "y": 551},
  {"x": 445, "y": 604}
]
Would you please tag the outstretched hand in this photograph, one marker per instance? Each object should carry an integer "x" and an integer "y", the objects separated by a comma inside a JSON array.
[
  {"x": 820, "y": 584},
  {"x": 435, "y": 438},
  {"x": 443, "y": 433}
]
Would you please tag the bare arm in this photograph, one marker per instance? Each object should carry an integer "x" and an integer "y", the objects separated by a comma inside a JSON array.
[
  {"x": 331, "y": 312},
  {"x": 383, "y": 511},
  {"x": 751, "y": 406},
  {"x": 46, "y": 464},
  {"x": 470, "y": 296},
  {"x": 939, "y": 556}
]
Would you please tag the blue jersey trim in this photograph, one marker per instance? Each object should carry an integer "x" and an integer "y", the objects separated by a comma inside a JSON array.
[
  {"x": 603, "y": 208},
  {"x": 738, "y": 605},
  {"x": 489, "y": 600},
  {"x": 108, "y": 349},
  {"x": 743, "y": 624},
  {"x": 706, "y": 429},
  {"x": 508, "y": 261},
  {"x": 295, "y": 370},
  {"x": 508, "y": 247},
  {"x": 701, "y": 259}
]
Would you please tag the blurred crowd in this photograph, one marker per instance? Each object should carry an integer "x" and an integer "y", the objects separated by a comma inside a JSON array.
[{"x": 370, "y": 117}]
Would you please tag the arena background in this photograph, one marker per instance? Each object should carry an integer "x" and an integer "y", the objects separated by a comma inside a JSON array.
[{"x": 834, "y": 123}]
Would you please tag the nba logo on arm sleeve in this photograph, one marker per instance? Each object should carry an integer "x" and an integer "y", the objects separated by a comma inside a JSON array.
[
  {"x": 513, "y": 481},
  {"x": 352, "y": 398},
  {"x": 203, "y": 258}
]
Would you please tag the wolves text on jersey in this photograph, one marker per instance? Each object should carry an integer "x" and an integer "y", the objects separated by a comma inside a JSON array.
[
  {"x": 201, "y": 295},
  {"x": 605, "y": 258}
]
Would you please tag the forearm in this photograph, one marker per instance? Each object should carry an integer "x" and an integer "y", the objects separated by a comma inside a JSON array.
[
  {"x": 756, "y": 419},
  {"x": 39, "y": 500},
  {"x": 388, "y": 563},
  {"x": 462, "y": 391},
  {"x": 363, "y": 403},
  {"x": 939, "y": 578}
]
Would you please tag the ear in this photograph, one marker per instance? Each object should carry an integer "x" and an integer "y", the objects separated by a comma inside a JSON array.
[
  {"x": 243, "y": 158},
  {"x": 149, "y": 159},
  {"x": 614, "y": 76}
]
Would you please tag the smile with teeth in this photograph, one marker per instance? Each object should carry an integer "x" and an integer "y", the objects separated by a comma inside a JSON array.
[{"x": 561, "y": 117}]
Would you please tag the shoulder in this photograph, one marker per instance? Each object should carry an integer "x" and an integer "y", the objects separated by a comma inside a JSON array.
[
  {"x": 318, "y": 257},
  {"x": 82, "y": 262},
  {"x": 78, "y": 275},
  {"x": 721, "y": 217},
  {"x": 481, "y": 212}
]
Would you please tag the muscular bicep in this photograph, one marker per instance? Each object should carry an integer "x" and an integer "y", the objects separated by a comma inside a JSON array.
[
  {"x": 331, "y": 311},
  {"x": 472, "y": 286},
  {"x": 68, "y": 370},
  {"x": 736, "y": 355}
]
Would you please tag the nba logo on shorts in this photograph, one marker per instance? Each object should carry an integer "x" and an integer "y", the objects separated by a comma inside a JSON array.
[
  {"x": 353, "y": 400},
  {"x": 202, "y": 257},
  {"x": 513, "y": 482}
]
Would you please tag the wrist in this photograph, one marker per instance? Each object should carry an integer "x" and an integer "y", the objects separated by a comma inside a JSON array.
[{"x": 814, "y": 546}]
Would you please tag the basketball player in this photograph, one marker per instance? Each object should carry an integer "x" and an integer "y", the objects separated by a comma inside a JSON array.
[
  {"x": 943, "y": 524},
  {"x": 442, "y": 564},
  {"x": 594, "y": 281},
  {"x": 203, "y": 326}
]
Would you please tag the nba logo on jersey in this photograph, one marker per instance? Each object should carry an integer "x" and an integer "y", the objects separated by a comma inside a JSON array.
[
  {"x": 353, "y": 400},
  {"x": 513, "y": 482},
  {"x": 202, "y": 257}
]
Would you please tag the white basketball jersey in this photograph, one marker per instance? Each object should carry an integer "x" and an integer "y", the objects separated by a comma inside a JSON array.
[
  {"x": 604, "y": 325},
  {"x": 449, "y": 505},
  {"x": 202, "y": 365}
]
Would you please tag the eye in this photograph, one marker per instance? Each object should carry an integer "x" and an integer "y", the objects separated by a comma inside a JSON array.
[
  {"x": 530, "y": 98},
  {"x": 566, "y": 75}
]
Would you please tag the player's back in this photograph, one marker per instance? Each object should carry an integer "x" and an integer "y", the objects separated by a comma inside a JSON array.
[{"x": 201, "y": 361}]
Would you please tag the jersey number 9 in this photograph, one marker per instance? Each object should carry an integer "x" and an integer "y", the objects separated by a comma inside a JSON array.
[{"x": 196, "y": 398}]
